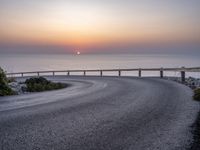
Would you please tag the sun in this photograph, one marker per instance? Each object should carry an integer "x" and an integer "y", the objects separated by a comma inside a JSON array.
[{"x": 78, "y": 53}]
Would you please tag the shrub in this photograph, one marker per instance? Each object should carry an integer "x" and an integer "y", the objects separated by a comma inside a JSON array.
[
  {"x": 40, "y": 80},
  {"x": 197, "y": 94},
  {"x": 41, "y": 84},
  {"x": 3, "y": 79},
  {"x": 4, "y": 88}
]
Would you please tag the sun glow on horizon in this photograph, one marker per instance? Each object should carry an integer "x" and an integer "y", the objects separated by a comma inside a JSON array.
[
  {"x": 98, "y": 23},
  {"x": 78, "y": 52}
]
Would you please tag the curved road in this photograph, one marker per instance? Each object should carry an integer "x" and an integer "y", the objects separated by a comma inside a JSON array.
[{"x": 100, "y": 113}]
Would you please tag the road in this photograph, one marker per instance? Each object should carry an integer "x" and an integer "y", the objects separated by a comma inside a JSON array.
[{"x": 100, "y": 113}]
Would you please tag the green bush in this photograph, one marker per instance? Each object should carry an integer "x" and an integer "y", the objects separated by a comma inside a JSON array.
[
  {"x": 4, "y": 88},
  {"x": 197, "y": 94},
  {"x": 41, "y": 84},
  {"x": 3, "y": 78},
  {"x": 40, "y": 80}
]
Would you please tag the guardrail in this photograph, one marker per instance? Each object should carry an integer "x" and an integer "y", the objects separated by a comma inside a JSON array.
[{"x": 182, "y": 71}]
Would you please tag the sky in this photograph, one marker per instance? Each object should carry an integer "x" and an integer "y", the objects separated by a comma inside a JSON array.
[{"x": 94, "y": 26}]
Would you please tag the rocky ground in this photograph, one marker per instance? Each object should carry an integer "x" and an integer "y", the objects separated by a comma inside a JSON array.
[
  {"x": 191, "y": 82},
  {"x": 18, "y": 87}
]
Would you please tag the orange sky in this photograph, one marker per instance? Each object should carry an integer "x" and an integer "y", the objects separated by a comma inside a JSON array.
[{"x": 81, "y": 24}]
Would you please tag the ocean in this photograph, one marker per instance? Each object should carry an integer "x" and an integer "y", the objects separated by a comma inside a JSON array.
[{"x": 42, "y": 62}]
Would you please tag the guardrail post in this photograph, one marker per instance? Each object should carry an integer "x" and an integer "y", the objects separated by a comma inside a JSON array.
[
  {"x": 119, "y": 73},
  {"x": 161, "y": 72},
  {"x": 53, "y": 73},
  {"x": 22, "y": 74},
  {"x": 38, "y": 74},
  {"x": 139, "y": 72},
  {"x": 182, "y": 76},
  {"x": 101, "y": 73},
  {"x": 84, "y": 73},
  {"x": 68, "y": 73}
]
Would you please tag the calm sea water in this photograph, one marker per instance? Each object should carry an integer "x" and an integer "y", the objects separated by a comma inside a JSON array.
[{"x": 35, "y": 62}]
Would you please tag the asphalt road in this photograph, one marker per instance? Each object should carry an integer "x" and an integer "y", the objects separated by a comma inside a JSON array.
[{"x": 100, "y": 113}]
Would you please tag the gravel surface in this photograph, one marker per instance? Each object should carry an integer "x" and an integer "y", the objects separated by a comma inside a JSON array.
[{"x": 100, "y": 113}]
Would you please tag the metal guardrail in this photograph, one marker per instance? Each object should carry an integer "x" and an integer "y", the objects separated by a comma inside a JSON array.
[{"x": 182, "y": 70}]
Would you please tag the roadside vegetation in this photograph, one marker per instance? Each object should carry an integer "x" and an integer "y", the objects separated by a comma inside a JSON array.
[
  {"x": 4, "y": 88},
  {"x": 197, "y": 94},
  {"x": 9, "y": 86},
  {"x": 41, "y": 84}
]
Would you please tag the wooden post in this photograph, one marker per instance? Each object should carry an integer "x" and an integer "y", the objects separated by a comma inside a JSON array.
[
  {"x": 139, "y": 72},
  {"x": 119, "y": 73},
  {"x": 38, "y": 74},
  {"x": 182, "y": 76},
  {"x": 53, "y": 73},
  {"x": 22, "y": 74},
  {"x": 161, "y": 72},
  {"x": 68, "y": 73},
  {"x": 101, "y": 73},
  {"x": 84, "y": 73}
]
